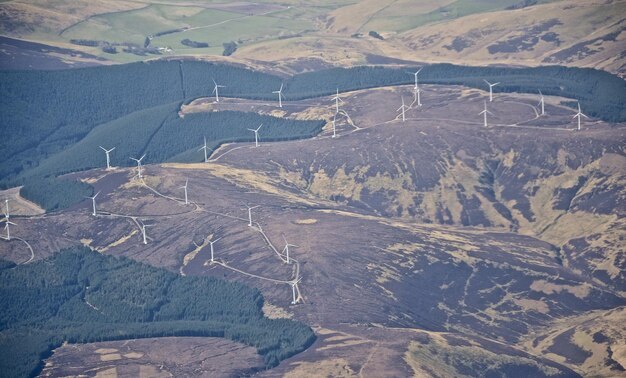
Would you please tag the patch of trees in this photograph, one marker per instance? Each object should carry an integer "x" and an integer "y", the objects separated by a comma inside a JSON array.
[
  {"x": 109, "y": 49},
  {"x": 170, "y": 31},
  {"x": 54, "y": 193},
  {"x": 229, "y": 48},
  {"x": 141, "y": 51},
  {"x": 81, "y": 296},
  {"x": 374, "y": 34},
  {"x": 522, "y": 4},
  {"x": 164, "y": 136},
  {"x": 86, "y": 42},
  {"x": 194, "y": 44}
]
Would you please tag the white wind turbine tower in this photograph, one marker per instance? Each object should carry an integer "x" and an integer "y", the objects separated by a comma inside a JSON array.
[
  {"x": 541, "y": 102},
  {"x": 337, "y": 99},
  {"x": 578, "y": 115},
  {"x": 143, "y": 232},
  {"x": 416, "y": 95},
  {"x": 256, "y": 135},
  {"x": 93, "y": 202},
  {"x": 204, "y": 147},
  {"x": 491, "y": 89},
  {"x": 107, "y": 152},
  {"x": 403, "y": 108},
  {"x": 139, "y": 164},
  {"x": 334, "y": 126},
  {"x": 185, "y": 187},
  {"x": 211, "y": 242},
  {"x": 250, "y": 214},
  {"x": 485, "y": 113},
  {"x": 280, "y": 95},
  {"x": 216, "y": 90},
  {"x": 415, "y": 74},
  {"x": 7, "y": 222},
  {"x": 293, "y": 290},
  {"x": 286, "y": 249},
  {"x": 6, "y": 205}
]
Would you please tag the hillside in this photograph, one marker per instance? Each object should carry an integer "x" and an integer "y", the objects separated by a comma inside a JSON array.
[
  {"x": 488, "y": 253},
  {"x": 280, "y": 35},
  {"x": 66, "y": 111}
]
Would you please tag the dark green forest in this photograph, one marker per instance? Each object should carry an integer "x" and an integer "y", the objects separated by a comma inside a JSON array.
[
  {"x": 52, "y": 121},
  {"x": 81, "y": 296},
  {"x": 55, "y": 193}
]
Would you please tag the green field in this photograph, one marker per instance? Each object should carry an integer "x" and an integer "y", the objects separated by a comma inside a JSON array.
[
  {"x": 212, "y": 26},
  {"x": 399, "y": 18}
]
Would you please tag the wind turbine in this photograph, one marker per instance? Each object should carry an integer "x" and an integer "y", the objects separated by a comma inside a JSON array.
[
  {"x": 250, "y": 214},
  {"x": 256, "y": 135},
  {"x": 93, "y": 202},
  {"x": 143, "y": 232},
  {"x": 485, "y": 113},
  {"x": 337, "y": 99},
  {"x": 491, "y": 89},
  {"x": 280, "y": 95},
  {"x": 139, "y": 164},
  {"x": 107, "y": 152},
  {"x": 216, "y": 90},
  {"x": 415, "y": 74},
  {"x": 286, "y": 249},
  {"x": 541, "y": 102},
  {"x": 416, "y": 95},
  {"x": 6, "y": 204},
  {"x": 293, "y": 290},
  {"x": 578, "y": 115},
  {"x": 204, "y": 147},
  {"x": 334, "y": 128},
  {"x": 185, "y": 187},
  {"x": 7, "y": 222},
  {"x": 403, "y": 108},
  {"x": 211, "y": 242}
]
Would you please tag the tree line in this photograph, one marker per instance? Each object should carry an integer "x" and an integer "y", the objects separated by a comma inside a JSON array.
[
  {"x": 81, "y": 296},
  {"x": 47, "y": 112}
]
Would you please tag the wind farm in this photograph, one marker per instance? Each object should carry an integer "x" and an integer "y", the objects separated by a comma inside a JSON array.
[{"x": 226, "y": 216}]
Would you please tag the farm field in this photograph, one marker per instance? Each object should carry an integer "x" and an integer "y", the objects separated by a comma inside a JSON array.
[{"x": 300, "y": 36}]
